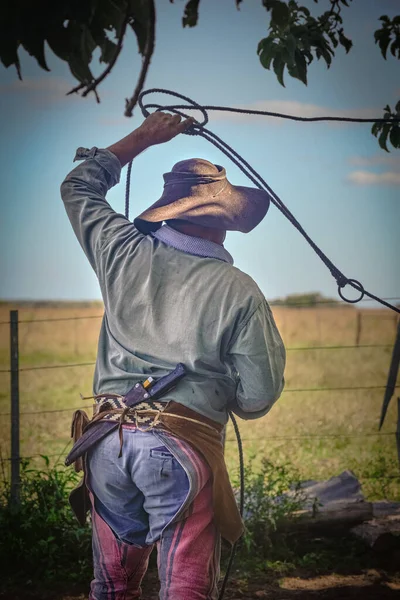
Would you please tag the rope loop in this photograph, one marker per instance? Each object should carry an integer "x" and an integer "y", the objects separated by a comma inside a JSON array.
[
  {"x": 172, "y": 108},
  {"x": 356, "y": 285},
  {"x": 198, "y": 128}
]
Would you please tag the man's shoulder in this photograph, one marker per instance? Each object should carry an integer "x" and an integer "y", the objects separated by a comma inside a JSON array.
[{"x": 243, "y": 287}]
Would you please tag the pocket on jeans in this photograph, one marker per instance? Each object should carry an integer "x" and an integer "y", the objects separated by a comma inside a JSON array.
[{"x": 163, "y": 455}]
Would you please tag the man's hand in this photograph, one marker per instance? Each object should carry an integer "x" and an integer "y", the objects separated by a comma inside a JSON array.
[
  {"x": 160, "y": 127},
  {"x": 157, "y": 128}
]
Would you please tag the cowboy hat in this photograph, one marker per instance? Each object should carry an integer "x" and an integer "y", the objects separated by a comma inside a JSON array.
[{"x": 198, "y": 191}]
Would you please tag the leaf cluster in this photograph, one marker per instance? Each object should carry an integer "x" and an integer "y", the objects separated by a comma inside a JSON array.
[
  {"x": 387, "y": 131},
  {"x": 75, "y": 29},
  {"x": 40, "y": 538},
  {"x": 296, "y": 37},
  {"x": 388, "y": 36},
  {"x": 72, "y": 29}
]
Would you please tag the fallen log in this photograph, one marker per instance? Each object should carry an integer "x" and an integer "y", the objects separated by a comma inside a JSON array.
[
  {"x": 382, "y": 535},
  {"x": 338, "y": 515}
]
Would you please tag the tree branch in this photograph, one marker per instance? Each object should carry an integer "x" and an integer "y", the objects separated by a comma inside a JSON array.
[
  {"x": 91, "y": 87},
  {"x": 150, "y": 42}
]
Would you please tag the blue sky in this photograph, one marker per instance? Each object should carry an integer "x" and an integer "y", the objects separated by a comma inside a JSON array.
[{"x": 334, "y": 178}]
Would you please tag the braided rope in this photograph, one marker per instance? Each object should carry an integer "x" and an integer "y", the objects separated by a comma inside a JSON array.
[{"x": 198, "y": 128}]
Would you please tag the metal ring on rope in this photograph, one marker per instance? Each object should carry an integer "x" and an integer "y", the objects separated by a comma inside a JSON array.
[{"x": 356, "y": 285}]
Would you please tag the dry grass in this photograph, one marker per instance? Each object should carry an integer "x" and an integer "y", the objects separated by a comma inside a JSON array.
[{"x": 278, "y": 436}]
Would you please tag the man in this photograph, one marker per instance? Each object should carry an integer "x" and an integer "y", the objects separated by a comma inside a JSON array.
[{"x": 171, "y": 295}]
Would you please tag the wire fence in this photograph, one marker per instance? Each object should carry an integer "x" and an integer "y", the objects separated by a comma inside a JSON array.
[
  {"x": 274, "y": 303},
  {"x": 299, "y": 390}
]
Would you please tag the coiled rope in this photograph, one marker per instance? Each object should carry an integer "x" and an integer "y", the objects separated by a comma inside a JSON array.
[{"x": 198, "y": 128}]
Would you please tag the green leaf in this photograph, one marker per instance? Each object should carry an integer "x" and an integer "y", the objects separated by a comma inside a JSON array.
[
  {"x": 394, "y": 136},
  {"x": 384, "y": 41},
  {"x": 301, "y": 67},
  {"x": 34, "y": 45},
  {"x": 345, "y": 41},
  {"x": 308, "y": 56},
  {"x": 333, "y": 38},
  {"x": 80, "y": 70},
  {"x": 325, "y": 54},
  {"x": 278, "y": 66},
  {"x": 267, "y": 50},
  {"x": 395, "y": 46},
  {"x": 291, "y": 46},
  {"x": 397, "y": 108},
  {"x": 111, "y": 14},
  {"x": 108, "y": 48},
  {"x": 265, "y": 44},
  {"x": 8, "y": 52},
  {"x": 266, "y": 60},
  {"x": 60, "y": 42},
  {"x": 139, "y": 24},
  {"x": 280, "y": 14},
  {"x": 383, "y": 136},
  {"x": 87, "y": 45},
  {"x": 376, "y": 127},
  {"x": 191, "y": 14}
]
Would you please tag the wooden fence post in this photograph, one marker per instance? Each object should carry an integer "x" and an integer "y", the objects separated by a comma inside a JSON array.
[{"x": 14, "y": 370}]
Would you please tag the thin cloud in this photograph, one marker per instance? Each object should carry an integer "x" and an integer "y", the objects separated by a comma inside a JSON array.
[
  {"x": 52, "y": 85},
  {"x": 375, "y": 160},
  {"x": 45, "y": 90},
  {"x": 368, "y": 178},
  {"x": 41, "y": 91}
]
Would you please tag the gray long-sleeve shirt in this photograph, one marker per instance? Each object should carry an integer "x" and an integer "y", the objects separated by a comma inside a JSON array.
[{"x": 172, "y": 298}]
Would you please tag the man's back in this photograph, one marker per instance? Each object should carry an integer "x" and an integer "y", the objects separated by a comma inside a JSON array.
[
  {"x": 168, "y": 306},
  {"x": 165, "y": 305}
]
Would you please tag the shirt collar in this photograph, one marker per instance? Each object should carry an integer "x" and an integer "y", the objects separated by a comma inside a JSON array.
[{"x": 192, "y": 245}]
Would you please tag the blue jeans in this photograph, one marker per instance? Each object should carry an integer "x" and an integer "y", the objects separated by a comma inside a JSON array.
[
  {"x": 146, "y": 498},
  {"x": 139, "y": 493}
]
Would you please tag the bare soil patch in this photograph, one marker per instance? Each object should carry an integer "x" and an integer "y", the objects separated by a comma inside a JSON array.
[{"x": 368, "y": 585}]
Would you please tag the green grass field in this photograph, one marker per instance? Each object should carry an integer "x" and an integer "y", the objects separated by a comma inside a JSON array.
[{"x": 301, "y": 427}]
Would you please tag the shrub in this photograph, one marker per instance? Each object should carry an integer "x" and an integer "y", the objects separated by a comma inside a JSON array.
[
  {"x": 272, "y": 495},
  {"x": 40, "y": 539}
]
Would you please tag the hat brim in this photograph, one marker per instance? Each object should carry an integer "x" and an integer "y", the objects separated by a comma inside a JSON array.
[{"x": 231, "y": 208}]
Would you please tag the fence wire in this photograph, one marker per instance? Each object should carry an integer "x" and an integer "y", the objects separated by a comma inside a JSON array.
[
  {"x": 306, "y": 436},
  {"x": 290, "y": 349},
  {"x": 274, "y": 303}
]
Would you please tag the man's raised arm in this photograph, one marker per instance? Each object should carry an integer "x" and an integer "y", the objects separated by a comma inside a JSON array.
[{"x": 84, "y": 189}]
